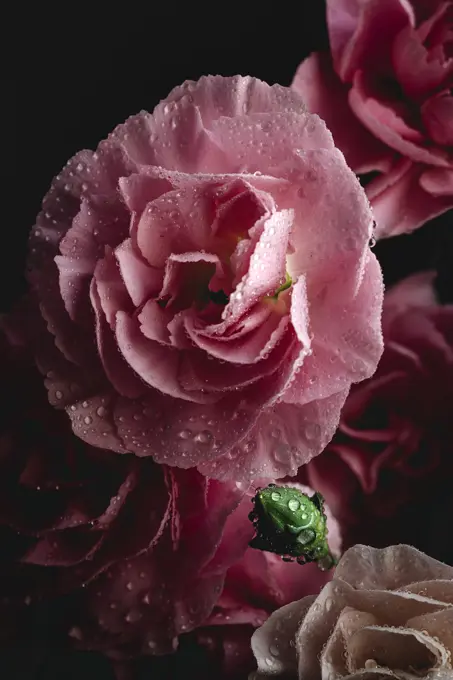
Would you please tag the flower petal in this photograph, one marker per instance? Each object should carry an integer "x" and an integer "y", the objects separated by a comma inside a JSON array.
[{"x": 326, "y": 95}]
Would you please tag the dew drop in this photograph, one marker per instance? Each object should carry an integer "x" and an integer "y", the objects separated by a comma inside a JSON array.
[
  {"x": 275, "y": 496},
  {"x": 329, "y": 604},
  {"x": 185, "y": 434},
  {"x": 293, "y": 504},
  {"x": 75, "y": 633},
  {"x": 249, "y": 446},
  {"x": 101, "y": 411},
  {"x": 274, "y": 650},
  {"x": 59, "y": 394},
  {"x": 88, "y": 420},
  {"x": 204, "y": 437}
]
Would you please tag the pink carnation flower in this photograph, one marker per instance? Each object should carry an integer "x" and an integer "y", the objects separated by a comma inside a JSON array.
[
  {"x": 207, "y": 285},
  {"x": 386, "y": 94}
]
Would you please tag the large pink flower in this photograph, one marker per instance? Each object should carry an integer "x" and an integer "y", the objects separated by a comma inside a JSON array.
[
  {"x": 140, "y": 549},
  {"x": 387, "y": 472},
  {"x": 386, "y": 94},
  {"x": 207, "y": 284}
]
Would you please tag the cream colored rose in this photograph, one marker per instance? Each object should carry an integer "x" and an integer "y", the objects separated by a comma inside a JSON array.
[{"x": 386, "y": 614}]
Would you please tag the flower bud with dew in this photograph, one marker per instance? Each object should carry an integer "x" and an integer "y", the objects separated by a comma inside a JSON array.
[{"x": 291, "y": 524}]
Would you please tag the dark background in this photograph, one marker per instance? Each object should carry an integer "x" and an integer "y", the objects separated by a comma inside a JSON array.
[{"x": 79, "y": 69}]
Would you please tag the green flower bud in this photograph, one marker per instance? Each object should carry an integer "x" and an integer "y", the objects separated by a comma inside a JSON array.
[{"x": 291, "y": 524}]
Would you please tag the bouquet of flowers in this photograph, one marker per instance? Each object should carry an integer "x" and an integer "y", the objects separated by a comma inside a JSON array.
[{"x": 226, "y": 450}]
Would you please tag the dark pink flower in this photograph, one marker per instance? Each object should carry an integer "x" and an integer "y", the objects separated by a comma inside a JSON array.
[
  {"x": 387, "y": 473},
  {"x": 141, "y": 550},
  {"x": 206, "y": 282},
  {"x": 386, "y": 94},
  {"x": 255, "y": 586}
]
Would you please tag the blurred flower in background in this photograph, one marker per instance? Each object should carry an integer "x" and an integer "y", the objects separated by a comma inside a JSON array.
[
  {"x": 385, "y": 92},
  {"x": 387, "y": 473}
]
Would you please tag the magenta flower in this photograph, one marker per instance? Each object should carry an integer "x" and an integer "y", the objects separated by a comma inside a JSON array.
[{"x": 385, "y": 93}]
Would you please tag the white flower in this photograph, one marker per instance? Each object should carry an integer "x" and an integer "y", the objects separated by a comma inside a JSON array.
[{"x": 386, "y": 614}]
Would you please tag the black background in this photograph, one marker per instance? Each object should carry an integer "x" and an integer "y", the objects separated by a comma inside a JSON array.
[{"x": 78, "y": 69}]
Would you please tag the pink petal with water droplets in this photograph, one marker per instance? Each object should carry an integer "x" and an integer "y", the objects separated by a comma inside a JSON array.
[
  {"x": 248, "y": 349},
  {"x": 141, "y": 280},
  {"x": 75, "y": 277},
  {"x": 154, "y": 322},
  {"x": 325, "y": 191},
  {"x": 177, "y": 223},
  {"x": 92, "y": 420},
  {"x": 216, "y": 97},
  {"x": 345, "y": 349},
  {"x": 110, "y": 288},
  {"x": 118, "y": 371},
  {"x": 284, "y": 438},
  {"x": 267, "y": 267},
  {"x": 156, "y": 364},
  {"x": 266, "y": 142},
  {"x": 200, "y": 370},
  {"x": 63, "y": 549},
  {"x": 139, "y": 189}
]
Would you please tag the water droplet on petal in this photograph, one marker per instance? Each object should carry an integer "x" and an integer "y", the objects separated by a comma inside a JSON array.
[
  {"x": 204, "y": 437},
  {"x": 328, "y": 604},
  {"x": 274, "y": 650},
  {"x": 88, "y": 420},
  {"x": 75, "y": 633},
  {"x": 133, "y": 616},
  {"x": 185, "y": 434}
]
